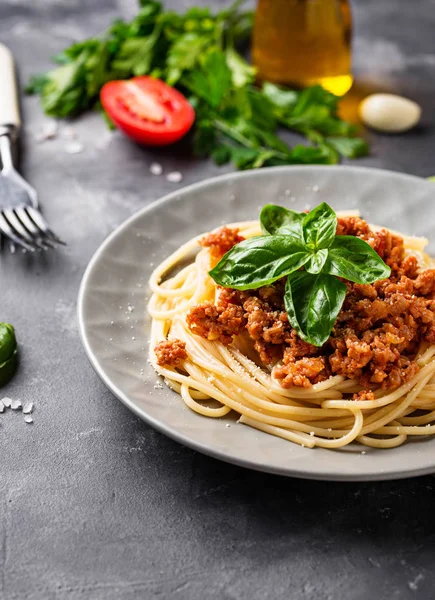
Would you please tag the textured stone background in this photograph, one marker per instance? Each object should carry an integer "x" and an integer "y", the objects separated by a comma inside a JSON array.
[{"x": 95, "y": 504}]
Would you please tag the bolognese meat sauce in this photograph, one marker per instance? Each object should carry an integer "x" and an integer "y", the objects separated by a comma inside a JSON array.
[
  {"x": 170, "y": 353},
  {"x": 375, "y": 337}
]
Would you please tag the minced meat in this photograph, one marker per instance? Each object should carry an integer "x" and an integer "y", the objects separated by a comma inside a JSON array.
[
  {"x": 376, "y": 335},
  {"x": 221, "y": 240},
  {"x": 170, "y": 353}
]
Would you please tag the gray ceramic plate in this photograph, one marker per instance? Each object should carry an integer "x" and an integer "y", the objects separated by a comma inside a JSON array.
[{"x": 114, "y": 327}]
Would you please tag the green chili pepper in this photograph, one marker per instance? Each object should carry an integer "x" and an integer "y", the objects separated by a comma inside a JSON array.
[{"x": 8, "y": 352}]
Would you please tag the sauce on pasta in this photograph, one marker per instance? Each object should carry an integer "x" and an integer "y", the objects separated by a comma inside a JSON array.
[{"x": 224, "y": 350}]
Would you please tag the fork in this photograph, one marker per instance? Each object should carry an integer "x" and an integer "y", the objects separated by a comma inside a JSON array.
[{"x": 20, "y": 218}]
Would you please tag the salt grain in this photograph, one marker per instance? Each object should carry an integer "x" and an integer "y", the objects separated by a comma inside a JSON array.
[
  {"x": 315, "y": 188},
  {"x": 28, "y": 408},
  {"x": 28, "y": 419},
  {"x": 130, "y": 308},
  {"x": 311, "y": 433},
  {"x": 227, "y": 425},
  {"x": 174, "y": 177},
  {"x": 69, "y": 132},
  {"x": 7, "y": 402},
  {"x": 16, "y": 404},
  {"x": 156, "y": 168},
  {"x": 413, "y": 585},
  {"x": 74, "y": 148},
  {"x": 48, "y": 132}
]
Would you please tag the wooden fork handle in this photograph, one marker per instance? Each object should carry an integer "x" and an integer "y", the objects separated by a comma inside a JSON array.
[{"x": 9, "y": 104}]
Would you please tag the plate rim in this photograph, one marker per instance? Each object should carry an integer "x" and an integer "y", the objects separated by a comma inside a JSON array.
[{"x": 323, "y": 475}]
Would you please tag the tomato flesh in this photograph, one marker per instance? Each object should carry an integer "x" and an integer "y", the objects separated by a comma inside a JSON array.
[{"x": 147, "y": 110}]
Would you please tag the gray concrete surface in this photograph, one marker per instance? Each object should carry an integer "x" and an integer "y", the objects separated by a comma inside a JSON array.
[{"x": 96, "y": 505}]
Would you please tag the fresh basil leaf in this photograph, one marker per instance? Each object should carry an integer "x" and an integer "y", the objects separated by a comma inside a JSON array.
[
  {"x": 319, "y": 227},
  {"x": 259, "y": 261},
  {"x": 312, "y": 303},
  {"x": 352, "y": 258},
  {"x": 316, "y": 262},
  {"x": 8, "y": 368},
  {"x": 8, "y": 342},
  {"x": 277, "y": 220}
]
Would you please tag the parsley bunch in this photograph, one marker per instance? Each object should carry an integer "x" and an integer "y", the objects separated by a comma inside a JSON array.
[
  {"x": 197, "y": 52},
  {"x": 313, "y": 296}
]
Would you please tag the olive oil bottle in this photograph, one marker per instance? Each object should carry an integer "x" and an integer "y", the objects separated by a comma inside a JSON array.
[{"x": 304, "y": 42}]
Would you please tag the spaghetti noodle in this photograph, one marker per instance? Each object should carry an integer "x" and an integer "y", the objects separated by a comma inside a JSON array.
[{"x": 215, "y": 379}]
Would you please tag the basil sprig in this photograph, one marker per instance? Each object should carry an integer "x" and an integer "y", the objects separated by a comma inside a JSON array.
[{"x": 313, "y": 296}]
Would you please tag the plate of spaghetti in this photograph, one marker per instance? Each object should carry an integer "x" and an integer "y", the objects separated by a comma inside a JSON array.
[{"x": 282, "y": 320}]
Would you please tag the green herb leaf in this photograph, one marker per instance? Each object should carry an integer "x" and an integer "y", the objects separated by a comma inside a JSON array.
[
  {"x": 277, "y": 220},
  {"x": 259, "y": 261},
  {"x": 36, "y": 84},
  {"x": 349, "y": 147},
  {"x": 185, "y": 54},
  {"x": 312, "y": 303},
  {"x": 353, "y": 259},
  {"x": 8, "y": 368},
  {"x": 242, "y": 72},
  {"x": 281, "y": 98},
  {"x": 213, "y": 81},
  {"x": 8, "y": 352},
  {"x": 317, "y": 261},
  {"x": 221, "y": 155},
  {"x": 64, "y": 92},
  {"x": 8, "y": 342},
  {"x": 196, "y": 52},
  {"x": 319, "y": 227},
  {"x": 136, "y": 55}
]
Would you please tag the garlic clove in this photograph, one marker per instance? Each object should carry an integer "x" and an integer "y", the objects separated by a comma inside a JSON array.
[{"x": 389, "y": 113}]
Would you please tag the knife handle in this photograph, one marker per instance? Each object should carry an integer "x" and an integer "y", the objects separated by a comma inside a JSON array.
[{"x": 9, "y": 105}]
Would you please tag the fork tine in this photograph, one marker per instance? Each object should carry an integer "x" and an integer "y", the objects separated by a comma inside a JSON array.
[
  {"x": 20, "y": 230},
  {"x": 7, "y": 231},
  {"x": 40, "y": 222},
  {"x": 35, "y": 232}
]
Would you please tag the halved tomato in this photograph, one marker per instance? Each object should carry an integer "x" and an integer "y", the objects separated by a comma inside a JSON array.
[{"x": 147, "y": 110}]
